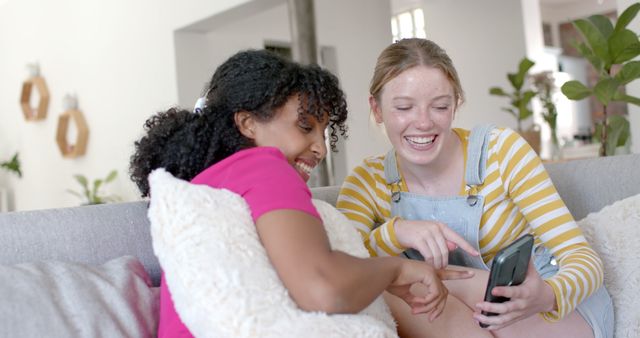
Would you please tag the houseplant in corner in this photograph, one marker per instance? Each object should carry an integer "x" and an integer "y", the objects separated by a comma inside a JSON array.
[
  {"x": 91, "y": 193},
  {"x": 12, "y": 165},
  {"x": 519, "y": 99},
  {"x": 609, "y": 48}
]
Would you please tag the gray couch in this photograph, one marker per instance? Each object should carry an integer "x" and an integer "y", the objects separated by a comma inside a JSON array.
[{"x": 94, "y": 235}]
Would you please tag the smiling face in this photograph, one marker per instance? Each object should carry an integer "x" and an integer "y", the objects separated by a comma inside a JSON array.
[
  {"x": 417, "y": 108},
  {"x": 300, "y": 138}
]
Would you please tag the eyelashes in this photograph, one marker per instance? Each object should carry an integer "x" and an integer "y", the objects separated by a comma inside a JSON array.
[
  {"x": 306, "y": 128},
  {"x": 440, "y": 108}
]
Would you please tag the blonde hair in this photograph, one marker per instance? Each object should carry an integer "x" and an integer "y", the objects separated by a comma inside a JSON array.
[{"x": 408, "y": 53}]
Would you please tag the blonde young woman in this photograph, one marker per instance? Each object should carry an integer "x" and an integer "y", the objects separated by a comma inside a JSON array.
[{"x": 452, "y": 196}]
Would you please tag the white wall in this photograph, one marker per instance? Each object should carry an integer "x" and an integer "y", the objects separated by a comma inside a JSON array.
[
  {"x": 118, "y": 56},
  {"x": 485, "y": 40},
  {"x": 202, "y": 46}
]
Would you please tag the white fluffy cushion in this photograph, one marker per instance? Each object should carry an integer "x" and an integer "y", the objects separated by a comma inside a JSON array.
[
  {"x": 59, "y": 299},
  {"x": 220, "y": 278},
  {"x": 614, "y": 232}
]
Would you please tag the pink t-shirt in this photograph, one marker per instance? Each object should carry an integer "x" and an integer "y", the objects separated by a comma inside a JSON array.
[{"x": 264, "y": 178}]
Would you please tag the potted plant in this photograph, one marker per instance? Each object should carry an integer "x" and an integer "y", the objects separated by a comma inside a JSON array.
[
  {"x": 609, "y": 47},
  {"x": 519, "y": 99},
  {"x": 544, "y": 84},
  {"x": 13, "y": 165},
  {"x": 91, "y": 194}
]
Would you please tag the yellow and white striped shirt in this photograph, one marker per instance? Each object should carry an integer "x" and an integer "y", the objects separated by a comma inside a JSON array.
[{"x": 519, "y": 198}]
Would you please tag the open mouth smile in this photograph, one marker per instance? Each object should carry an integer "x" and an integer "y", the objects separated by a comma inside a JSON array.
[
  {"x": 304, "y": 169},
  {"x": 420, "y": 141}
]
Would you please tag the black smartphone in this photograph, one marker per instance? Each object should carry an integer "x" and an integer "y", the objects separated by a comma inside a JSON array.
[{"x": 509, "y": 268}]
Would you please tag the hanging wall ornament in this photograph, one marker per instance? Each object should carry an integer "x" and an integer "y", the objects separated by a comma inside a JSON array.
[
  {"x": 37, "y": 83},
  {"x": 77, "y": 149}
]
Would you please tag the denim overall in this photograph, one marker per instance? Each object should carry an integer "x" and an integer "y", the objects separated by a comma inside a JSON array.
[
  {"x": 463, "y": 214},
  {"x": 460, "y": 213}
]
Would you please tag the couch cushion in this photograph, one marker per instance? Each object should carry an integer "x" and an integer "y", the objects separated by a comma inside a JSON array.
[
  {"x": 220, "y": 277},
  {"x": 614, "y": 232},
  {"x": 55, "y": 299}
]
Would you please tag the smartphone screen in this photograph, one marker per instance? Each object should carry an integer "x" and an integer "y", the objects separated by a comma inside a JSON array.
[{"x": 509, "y": 268}]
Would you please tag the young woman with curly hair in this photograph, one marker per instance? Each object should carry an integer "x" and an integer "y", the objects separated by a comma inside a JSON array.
[{"x": 260, "y": 134}]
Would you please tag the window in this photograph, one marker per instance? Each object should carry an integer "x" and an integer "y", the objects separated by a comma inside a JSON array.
[{"x": 409, "y": 24}]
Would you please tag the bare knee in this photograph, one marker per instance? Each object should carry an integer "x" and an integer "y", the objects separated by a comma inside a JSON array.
[{"x": 455, "y": 321}]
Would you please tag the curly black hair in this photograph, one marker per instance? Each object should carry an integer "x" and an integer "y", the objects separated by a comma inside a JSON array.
[{"x": 255, "y": 81}]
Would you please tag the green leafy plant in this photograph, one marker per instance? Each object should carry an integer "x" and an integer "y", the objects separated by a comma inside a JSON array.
[
  {"x": 519, "y": 98},
  {"x": 543, "y": 83},
  {"x": 618, "y": 135},
  {"x": 91, "y": 194},
  {"x": 13, "y": 165},
  {"x": 609, "y": 47}
]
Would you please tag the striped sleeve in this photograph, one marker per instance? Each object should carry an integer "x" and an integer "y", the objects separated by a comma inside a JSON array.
[
  {"x": 529, "y": 186},
  {"x": 365, "y": 199}
]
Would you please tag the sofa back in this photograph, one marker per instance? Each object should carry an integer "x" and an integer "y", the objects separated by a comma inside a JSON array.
[
  {"x": 589, "y": 185},
  {"x": 98, "y": 233},
  {"x": 91, "y": 234}
]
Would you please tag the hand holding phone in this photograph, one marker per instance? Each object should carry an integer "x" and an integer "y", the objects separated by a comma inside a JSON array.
[{"x": 509, "y": 268}]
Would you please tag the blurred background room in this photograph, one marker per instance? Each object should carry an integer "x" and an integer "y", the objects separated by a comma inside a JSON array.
[{"x": 78, "y": 78}]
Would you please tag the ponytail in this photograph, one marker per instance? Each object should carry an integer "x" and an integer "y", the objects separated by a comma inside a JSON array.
[{"x": 176, "y": 140}]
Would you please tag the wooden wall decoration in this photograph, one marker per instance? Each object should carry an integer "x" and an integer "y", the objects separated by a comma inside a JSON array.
[
  {"x": 78, "y": 148},
  {"x": 39, "y": 112}
]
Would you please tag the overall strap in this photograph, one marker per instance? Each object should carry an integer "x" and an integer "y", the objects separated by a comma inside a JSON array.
[
  {"x": 477, "y": 153},
  {"x": 391, "y": 173}
]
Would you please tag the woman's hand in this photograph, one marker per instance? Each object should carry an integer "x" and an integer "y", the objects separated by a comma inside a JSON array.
[
  {"x": 529, "y": 298},
  {"x": 420, "y": 286},
  {"x": 433, "y": 240}
]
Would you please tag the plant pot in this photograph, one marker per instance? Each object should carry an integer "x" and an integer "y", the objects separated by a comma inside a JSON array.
[
  {"x": 581, "y": 151},
  {"x": 623, "y": 150},
  {"x": 4, "y": 200},
  {"x": 533, "y": 138}
]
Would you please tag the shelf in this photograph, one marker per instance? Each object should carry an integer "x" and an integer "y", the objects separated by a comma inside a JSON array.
[
  {"x": 39, "y": 112},
  {"x": 80, "y": 146}
]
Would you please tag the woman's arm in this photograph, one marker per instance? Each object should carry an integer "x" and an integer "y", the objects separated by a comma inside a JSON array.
[
  {"x": 321, "y": 279},
  {"x": 317, "y": 277},
  {"x": 365, "y": 199},
  {"x": 531, "y": 189}
]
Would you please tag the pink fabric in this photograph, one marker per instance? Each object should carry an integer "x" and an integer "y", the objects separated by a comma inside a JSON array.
[{"x": 264, "y": 178}]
